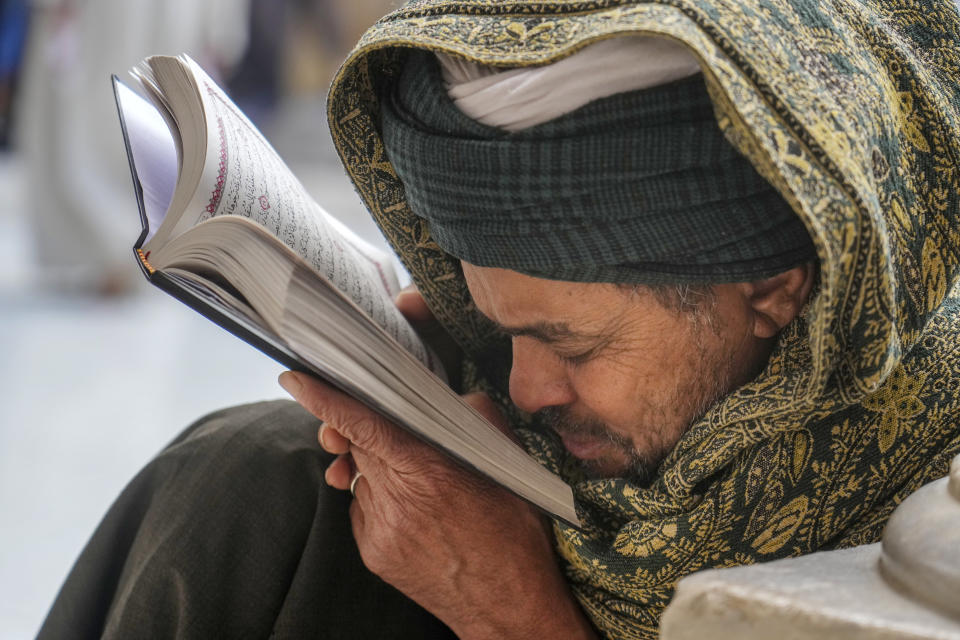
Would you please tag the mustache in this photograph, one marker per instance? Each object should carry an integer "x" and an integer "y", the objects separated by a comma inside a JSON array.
[
  {"x": 641, "y": 467},
  {"x": 560, "y": 420}
]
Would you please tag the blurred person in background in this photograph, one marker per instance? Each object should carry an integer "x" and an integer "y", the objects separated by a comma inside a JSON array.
[
  {"x": 81, "y": 211},
  {"x": 80, "y": 206}
]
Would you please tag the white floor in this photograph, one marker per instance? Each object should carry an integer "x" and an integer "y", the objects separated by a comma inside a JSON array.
[{"x": 91, "y": 389}]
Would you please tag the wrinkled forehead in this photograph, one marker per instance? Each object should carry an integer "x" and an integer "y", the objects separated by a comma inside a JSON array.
[{"x": 513, "y": 299}]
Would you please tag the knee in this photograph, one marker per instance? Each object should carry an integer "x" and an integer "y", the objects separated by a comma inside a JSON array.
[
  {"x": 246, "y": 451},
  {"x": 278, "y": 428}
]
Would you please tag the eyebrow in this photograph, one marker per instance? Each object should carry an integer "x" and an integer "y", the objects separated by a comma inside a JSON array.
[{"x": 549, "y": 332}]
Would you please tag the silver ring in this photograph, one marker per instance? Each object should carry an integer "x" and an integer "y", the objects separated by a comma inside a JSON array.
[{"x": 353, "y": 483}]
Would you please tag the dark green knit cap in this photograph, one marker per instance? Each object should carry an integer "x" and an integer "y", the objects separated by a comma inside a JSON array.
[{"x": 639, "y": 187}]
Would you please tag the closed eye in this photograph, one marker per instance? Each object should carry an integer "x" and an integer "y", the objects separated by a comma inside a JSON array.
[
  {"x": 576, "y": 359},
  {"x": 565, "y": 343}
]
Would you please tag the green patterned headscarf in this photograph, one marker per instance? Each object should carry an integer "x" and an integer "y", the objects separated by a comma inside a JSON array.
[
  {"x": 637, "y": 187},
  {"x": 851, "y": 110}
]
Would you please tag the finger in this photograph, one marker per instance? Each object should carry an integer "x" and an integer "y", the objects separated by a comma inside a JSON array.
[
  {"x": 413, "y": 307},
  {"x": 340, "y": 472},
  {"x": 360, "y": 487},
  {"x": 349, "y": 417},
  {"x": 358, "y": 523},
  {"x": 332, "y": 440}
]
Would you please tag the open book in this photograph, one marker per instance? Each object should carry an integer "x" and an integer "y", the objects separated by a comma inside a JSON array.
[{"x": 228, "y": 230}]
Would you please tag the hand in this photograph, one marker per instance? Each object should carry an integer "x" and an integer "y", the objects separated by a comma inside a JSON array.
[
  {"x": 414, "y": 308},
  {"x": 471, "y": 553}
]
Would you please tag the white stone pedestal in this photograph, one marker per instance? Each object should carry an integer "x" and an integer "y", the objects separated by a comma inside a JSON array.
[{"x": 906, "y": 587}]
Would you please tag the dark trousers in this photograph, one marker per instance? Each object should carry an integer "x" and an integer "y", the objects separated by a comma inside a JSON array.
[{"x": 231, "y": 532}]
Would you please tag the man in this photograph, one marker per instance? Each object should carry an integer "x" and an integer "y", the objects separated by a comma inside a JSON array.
[{"x": 796, "y": 385}]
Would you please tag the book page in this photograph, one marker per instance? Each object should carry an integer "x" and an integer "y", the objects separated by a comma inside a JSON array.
[
  {"x": 245, "y": 177},
  {"x": 154, "y": 154}
]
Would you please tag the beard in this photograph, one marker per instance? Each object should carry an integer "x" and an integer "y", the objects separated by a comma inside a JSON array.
[
  {"x": 710, "y": 378},
  {"x": 640, "y": 466}
]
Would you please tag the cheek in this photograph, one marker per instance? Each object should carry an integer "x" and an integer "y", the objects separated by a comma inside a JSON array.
[
  {"x": 611, "y": 392},
  {"x": 635, "y": 386}
]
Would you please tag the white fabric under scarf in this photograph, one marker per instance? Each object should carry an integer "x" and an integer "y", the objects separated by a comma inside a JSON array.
[{"x": 514, "y": 99}]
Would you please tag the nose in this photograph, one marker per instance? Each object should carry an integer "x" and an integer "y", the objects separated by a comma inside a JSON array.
[{"x": 538, "y": 378}]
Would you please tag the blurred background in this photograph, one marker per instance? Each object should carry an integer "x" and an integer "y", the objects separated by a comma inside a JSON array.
[{"x": 98, "y": 370}]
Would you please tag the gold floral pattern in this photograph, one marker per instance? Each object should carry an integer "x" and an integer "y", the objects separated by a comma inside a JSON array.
[
  {"x": 851, "y": 109},
  {"x": 898, "y": 403},
  {"x": 646, "y": 538}
]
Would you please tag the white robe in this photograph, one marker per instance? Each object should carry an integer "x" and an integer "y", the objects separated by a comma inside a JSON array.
[{"x": 79, "y": 193}]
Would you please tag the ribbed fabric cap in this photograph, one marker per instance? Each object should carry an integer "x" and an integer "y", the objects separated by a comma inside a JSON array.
[{"x": 638, "y": 187}]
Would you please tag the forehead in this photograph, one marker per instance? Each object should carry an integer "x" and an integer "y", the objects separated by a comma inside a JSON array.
[{"x": 511, "y": 298}]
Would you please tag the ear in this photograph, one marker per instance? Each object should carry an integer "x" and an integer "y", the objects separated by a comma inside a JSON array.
[{"x": 777, "y": 300}]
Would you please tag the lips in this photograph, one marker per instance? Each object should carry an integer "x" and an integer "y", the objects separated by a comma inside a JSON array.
[{"x": 584, "y": 446}]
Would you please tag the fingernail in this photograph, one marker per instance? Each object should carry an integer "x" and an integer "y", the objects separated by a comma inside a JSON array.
[
  {"x": 323, "y": 438},
  {"x": 290, "y": 383}
]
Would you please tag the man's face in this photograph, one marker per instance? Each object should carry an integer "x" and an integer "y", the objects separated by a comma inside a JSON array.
[{"x": 619, "y": 375}]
